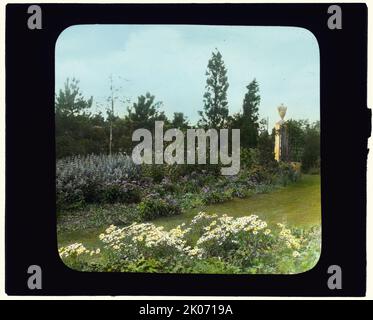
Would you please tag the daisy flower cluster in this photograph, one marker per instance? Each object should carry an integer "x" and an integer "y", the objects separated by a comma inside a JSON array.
[
  {"x": 202, "y": 218},
  {"x": 146, "y": 239},
  {"x": 76, "y": 249},
  {"x": 206, "y": 236},
  {"x": 225, "y": 227},
  {"x": 291, "y": 241}
]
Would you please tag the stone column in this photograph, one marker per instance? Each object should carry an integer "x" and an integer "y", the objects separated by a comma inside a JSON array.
[{"x": 281, "y": 138}]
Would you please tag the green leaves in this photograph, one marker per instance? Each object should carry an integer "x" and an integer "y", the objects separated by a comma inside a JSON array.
[
  {"x": 70, "y": 101},
  {"x": 215, "y": 114}
]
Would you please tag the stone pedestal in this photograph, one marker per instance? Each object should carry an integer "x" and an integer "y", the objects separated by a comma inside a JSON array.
[{"x": 281, "y": 138}]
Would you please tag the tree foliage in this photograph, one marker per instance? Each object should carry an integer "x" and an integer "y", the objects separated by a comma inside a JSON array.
[
  {"x": 179, "y": 121},
  {"x": 215, "y": 114},
  {"x": 70, "y": 101},
  {"x": 304, "y": 142},
  {"x": 144, "y": 112},
  {"x": 311, "y": 153},
  {"x": 247, "y": 121},
  {"x": 79, "y": 132}
]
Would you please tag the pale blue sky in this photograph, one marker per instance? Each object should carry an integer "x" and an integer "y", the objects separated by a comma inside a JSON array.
[{"x": 170, "y": 62}]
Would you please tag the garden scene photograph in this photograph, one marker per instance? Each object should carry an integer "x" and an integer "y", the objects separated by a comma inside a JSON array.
[{"x": 188, "y": 149}]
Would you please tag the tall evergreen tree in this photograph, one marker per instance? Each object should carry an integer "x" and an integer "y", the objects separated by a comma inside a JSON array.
[
  {"x": 70, "y": 101},
  {"x": 251, "y": 101},
  {"x": 251, "y": 112},
  {"x": 77, "y": 131},
  {"x": 248, "y": 121},
  {"x": 144, "y": 112},
  {"x": 215, "y": 101}
]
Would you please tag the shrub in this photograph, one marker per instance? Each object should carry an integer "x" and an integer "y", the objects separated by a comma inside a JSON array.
[
  {"x": 123, "y": 193},
  {"x": 191, "y": 186},
  {"x": 69, "y": 197},
  {"x": 226, "y": 233},
  {"x": 190, "y": 200},
  {"x": 177, "y": 171},
  {"x": 143, "y": 240},
  {"x": 238, "y": 190},
  {"x": 210, "y": 196},
  {"x": 311, "y": 153},
  {"x": 168, "y": 186},
  {"x": 259, "y": 174},
  {"x": 286, "y": 173},
  {"x": 200, "y": 221},
  {"x": 81, "y": 180},
  {"x": 249, "y": 157},
  {"x": 156, "y": 172},
  {"x": 153, "y": 207}
]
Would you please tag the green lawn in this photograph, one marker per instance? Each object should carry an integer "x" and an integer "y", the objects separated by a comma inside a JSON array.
[{"x": 298, "y": 204}]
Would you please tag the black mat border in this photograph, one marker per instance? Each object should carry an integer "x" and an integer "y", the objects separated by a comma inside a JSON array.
[{"x": 30, "y": 158}]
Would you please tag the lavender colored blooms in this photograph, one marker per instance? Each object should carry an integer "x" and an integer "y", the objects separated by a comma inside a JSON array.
[{"x": 78, "y": 178}]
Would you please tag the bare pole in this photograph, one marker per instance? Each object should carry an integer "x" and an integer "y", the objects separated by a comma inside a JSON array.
[
  {"x": 111, "y": 116},
  {"x": 112, "y": 98}
]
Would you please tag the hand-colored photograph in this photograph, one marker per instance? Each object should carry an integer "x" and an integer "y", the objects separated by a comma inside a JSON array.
[{"x": 188, "y": 149}]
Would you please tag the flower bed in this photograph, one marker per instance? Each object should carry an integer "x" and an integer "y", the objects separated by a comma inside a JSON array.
[
  {"x": 87, "y": 187},
  {"x": 209, "y": 244}
]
